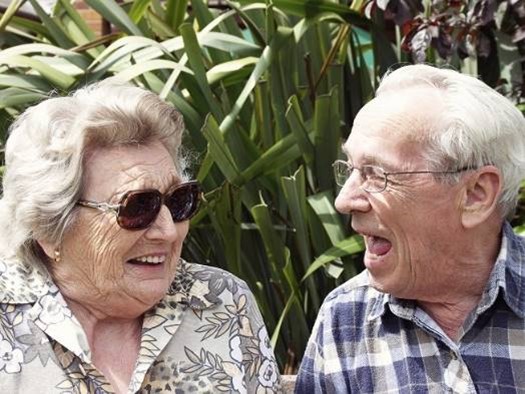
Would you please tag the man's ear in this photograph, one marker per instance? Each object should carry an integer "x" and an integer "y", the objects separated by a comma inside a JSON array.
[{"x": 482, "y": 192}]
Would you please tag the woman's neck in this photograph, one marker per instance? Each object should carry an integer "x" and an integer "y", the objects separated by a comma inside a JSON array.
[{"x": 114, "y": 343}]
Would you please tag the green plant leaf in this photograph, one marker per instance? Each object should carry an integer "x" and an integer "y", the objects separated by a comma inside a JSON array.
[
  {"x": 27, "y": 49},
  {"x": 195, "y": 59},
  {"x": 115, "y": 14},
  {"x": 83, "y": 28},
  {"x": 327, "y": 137},
  {"x": 9, "y": 13},
  {"x": 27, "y": 82},
  {"x": 273, "y": 243},
  {"x": 296, "y": 122},
  {"x": 220, "y": 71},
  {"x": 348, "y": 246},
  {"x": 220, "y": 152},
  {"x": 54, "y": 29},
  {"x": 13, "y": 97},
  {"x": 138, "y": 9},
  {"x": 323, "y": 205},
  {"x": 144, "y": 67},
  {"x": 262, "y": 65},
  {"x": 175, "y": 11},
  {"x": 51, "y": 74}
]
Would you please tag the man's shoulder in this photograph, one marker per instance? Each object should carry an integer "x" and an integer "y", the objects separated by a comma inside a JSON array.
[
  {"x": 357, "y": 288},
  {"x": 355, "y": 296}
]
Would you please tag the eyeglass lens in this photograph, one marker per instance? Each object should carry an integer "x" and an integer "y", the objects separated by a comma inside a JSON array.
[
  {"x": 140, "y": 208},
  {"x": 373, "y": 178}
]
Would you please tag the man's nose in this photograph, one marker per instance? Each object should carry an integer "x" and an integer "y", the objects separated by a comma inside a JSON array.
[{"x": 352, "y": 197}]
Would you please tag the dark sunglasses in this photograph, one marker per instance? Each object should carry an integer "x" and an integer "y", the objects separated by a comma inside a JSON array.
[{"x": 138, "y": 209}]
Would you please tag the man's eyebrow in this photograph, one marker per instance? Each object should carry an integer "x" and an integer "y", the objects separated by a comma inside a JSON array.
[{"x": 367, "y": 159}]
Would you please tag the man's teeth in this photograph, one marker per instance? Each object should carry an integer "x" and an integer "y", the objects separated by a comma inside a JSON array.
[{"x": 151, "y": 259}]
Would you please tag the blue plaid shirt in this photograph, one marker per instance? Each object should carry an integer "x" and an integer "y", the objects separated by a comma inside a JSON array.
[{"x": 365, "y": 341}]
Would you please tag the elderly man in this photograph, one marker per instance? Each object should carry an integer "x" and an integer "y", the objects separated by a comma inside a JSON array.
[{"x": 433, "y": 168}]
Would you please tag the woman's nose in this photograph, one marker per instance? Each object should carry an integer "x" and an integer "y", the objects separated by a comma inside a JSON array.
[{"x": 163, "y": 227}]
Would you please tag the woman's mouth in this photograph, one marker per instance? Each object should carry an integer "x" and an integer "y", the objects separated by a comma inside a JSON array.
[{"x": 148, "y": 260}]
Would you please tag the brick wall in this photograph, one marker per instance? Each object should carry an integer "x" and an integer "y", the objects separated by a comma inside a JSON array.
[{"x": 91, "y": 17}]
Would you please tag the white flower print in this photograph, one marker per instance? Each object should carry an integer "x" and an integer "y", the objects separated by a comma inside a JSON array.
[
  {"x": 52, "y": 311},
  {"x": 264, "y": 344},
  {"x": 10, "y": 359},
  {"x": 236, "y": 375},
  {"x": 235, "y": 349},
  {"x": 268, "y": 374}
]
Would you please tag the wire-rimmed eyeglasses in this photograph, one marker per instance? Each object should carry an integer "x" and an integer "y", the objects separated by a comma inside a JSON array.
[{"x": 374, "y": 179}]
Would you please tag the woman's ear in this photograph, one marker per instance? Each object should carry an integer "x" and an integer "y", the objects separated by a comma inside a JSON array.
[
  {"x": 48, "y": 248},
  {"x": 481, "y": 197}
]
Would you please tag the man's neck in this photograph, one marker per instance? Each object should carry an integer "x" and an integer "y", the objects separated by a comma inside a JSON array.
[
  {"x": 462, "y": 289},
  {"x": 450, "y": 316}
]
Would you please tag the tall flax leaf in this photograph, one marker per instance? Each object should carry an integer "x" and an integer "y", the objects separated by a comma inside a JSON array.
[
  {"x": 327, "y": 137},
  {"x": 273, "y": 242},
  {"x": 323, "y": 205},
  {"x": 9, "y": 13},
  {"x": 314, "y": 7},
  {"x": 32, "y": 49},
  {"x": 28, "y": 82},
  {"x": 348, "y": 246},
  {"x": 263, "y": 64},
  {"x": 80, "y": 23},
  {"x": 263, "y": 115},
  {"x": 30, "y": 26},
  {"x": 192, "y": 118},
  {"x": 193, "y": 50},
  {"x": 55, "y": 77},
  {"x": 293, "y": 310},
  {"x": 294, "y": 188},
  {"x": 115, "y": 14},
  {"x": 55, "y": 30},
  {"x": 12, "y": 97},
  {"x": 298, "y": 127},
  {"x": 226, "y": 217},
  {"x": 137, "y": 70},
  {"x": 220, "y": 152},
  {"x": 205, "y": 17},
  {"x": 282, "y": 153},
  {"x": 138, "y": 10},
  {"x": 175, "y": 11}
]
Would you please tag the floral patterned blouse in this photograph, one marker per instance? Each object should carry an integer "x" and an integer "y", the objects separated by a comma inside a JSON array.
[{"x": 205, "y": 336}]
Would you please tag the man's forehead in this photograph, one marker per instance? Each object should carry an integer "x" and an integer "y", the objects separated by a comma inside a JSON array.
[{"x": 412, "y": 114}]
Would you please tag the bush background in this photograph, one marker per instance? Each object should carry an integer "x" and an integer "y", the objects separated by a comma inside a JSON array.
[{"x": 268, "y": 90}]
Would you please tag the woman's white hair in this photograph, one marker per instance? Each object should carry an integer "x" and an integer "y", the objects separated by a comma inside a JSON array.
[
  {"x": 45, "y": 150},
  {"x": 478, "y": 126}
]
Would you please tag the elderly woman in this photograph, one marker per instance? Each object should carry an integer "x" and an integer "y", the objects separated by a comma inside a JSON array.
[{"x": 94, "y": 296}]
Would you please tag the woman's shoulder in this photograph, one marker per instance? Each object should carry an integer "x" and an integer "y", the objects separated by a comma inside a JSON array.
[{"x": 207, "y": 284}]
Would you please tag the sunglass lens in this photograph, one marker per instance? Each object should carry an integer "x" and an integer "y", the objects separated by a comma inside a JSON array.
[
  {"x": 183, "y": 201},
  {"x": 139, "y": 209}
]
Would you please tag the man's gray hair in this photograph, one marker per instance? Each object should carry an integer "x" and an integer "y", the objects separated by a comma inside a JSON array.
[
  {"x": 45, "y": 151},
  {"x": 478, "y": 127}
]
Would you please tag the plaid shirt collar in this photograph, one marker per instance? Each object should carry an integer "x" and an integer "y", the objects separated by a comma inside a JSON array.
[{"x": 507, "y": 277}]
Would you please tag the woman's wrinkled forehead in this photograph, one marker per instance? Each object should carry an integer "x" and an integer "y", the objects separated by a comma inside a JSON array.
[{"x": 111, "y": 171}]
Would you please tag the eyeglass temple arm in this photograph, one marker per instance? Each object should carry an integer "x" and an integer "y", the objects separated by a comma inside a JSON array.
[{"x": 103, "y": 206}]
